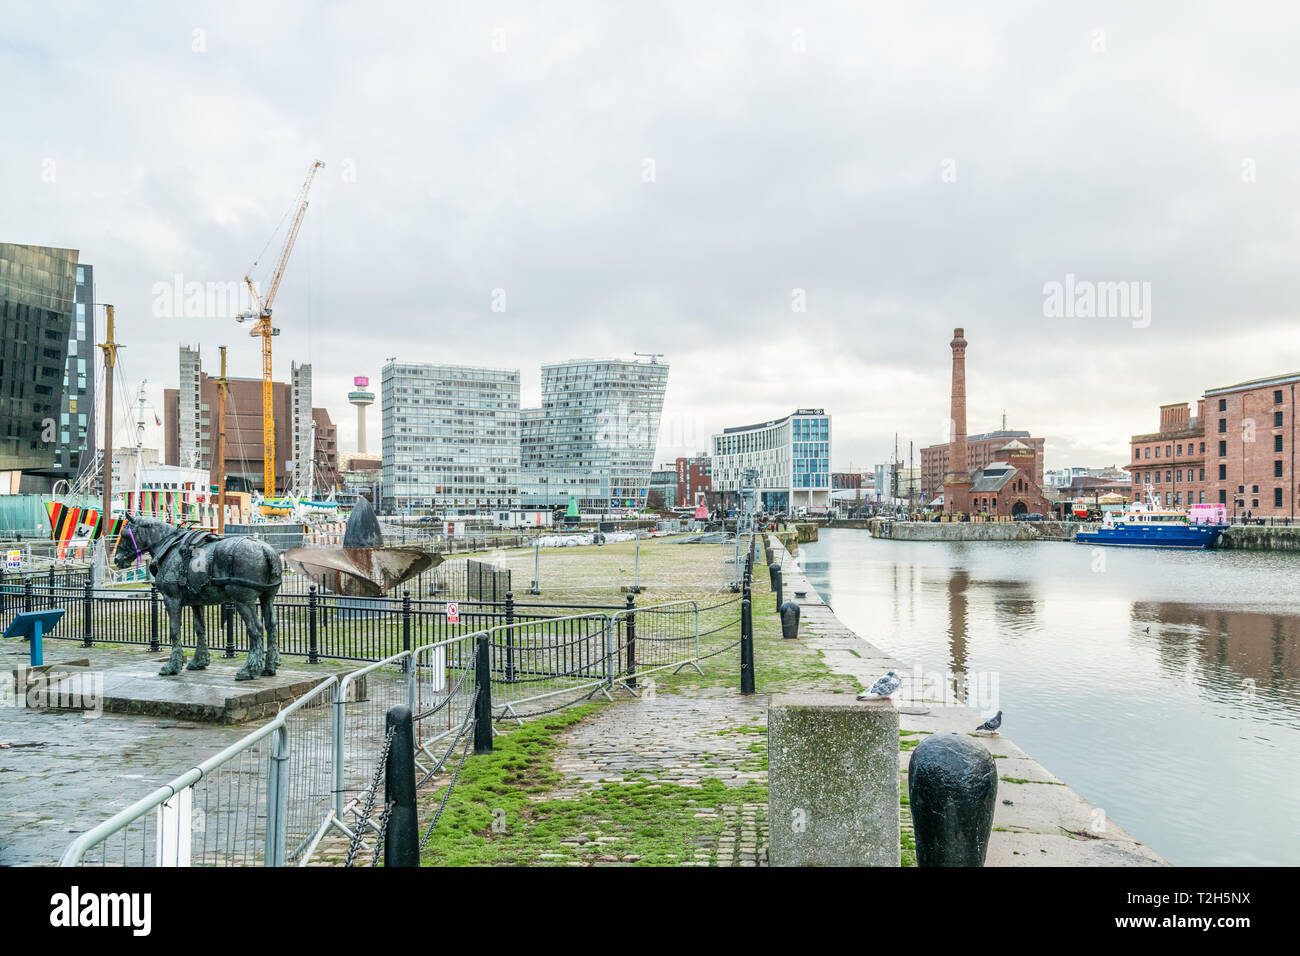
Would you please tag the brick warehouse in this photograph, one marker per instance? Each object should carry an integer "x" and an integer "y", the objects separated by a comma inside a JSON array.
[
  {"x": 980, "y": 453},
  {"x": 1172, "y": 460},
  {"x": 1250, "y": 437}
]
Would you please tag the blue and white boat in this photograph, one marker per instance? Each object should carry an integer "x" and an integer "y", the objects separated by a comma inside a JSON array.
[{"x": 1149, "y": 526}]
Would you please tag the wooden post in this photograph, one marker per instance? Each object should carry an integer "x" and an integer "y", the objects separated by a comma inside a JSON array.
[
  {"x": 110, "y": 359},
  {"x": 222, "y": 387}
]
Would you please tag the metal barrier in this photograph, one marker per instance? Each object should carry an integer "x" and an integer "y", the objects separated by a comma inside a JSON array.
[
  {"x": 272, "y": 797},
  {"x": 265, "y": 799},
  {"x": 650, "y": 639},
  {"x": 547, "y": 658}
]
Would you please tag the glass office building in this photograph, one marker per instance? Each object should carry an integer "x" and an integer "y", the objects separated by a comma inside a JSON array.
[
  {"x": 38, "y": 299},
  {"x": 450, "y": 438},
  {"x": 594, "y": 436},
  {"x": 792, "y": 456}
]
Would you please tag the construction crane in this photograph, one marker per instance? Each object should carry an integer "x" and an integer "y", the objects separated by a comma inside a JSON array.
[{"x": 260, "y": 315}]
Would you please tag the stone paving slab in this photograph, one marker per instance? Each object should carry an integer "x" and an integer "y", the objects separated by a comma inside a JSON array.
[{"x": 209, "y": 696}]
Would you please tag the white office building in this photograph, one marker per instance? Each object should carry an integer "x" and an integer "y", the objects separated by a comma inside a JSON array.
[
  {"x": 792, "y": 456},
  {"x": 594, "y": 436},
  {"x": 450, "y": 438}
]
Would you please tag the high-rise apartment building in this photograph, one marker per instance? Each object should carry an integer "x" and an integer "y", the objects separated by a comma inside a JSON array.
[
  {"x": 594, "y": 436},
  {"x": 450, "y": 438},
  {"x": 38, "y": 298}
]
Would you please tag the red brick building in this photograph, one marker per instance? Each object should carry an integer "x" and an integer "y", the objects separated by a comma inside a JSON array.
[
  {"x": 1006, "y": 486},
  {"x": 980, "y": 453},
  {"x": 694, "y": 480},
  {"x": 1250, "y": 435},
  {"x": 1172, "y": 460}
]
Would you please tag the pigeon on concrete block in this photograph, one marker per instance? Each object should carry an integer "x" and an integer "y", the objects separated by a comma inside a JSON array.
[
  {"x": 883, "y": 687},
  {"x": 992, "y": 724}
]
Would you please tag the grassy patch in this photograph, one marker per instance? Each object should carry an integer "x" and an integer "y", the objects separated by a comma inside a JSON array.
[{"x": 491, "y": 820}]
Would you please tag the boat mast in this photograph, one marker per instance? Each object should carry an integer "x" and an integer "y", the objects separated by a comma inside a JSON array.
[{"x": 110, "y": 359}]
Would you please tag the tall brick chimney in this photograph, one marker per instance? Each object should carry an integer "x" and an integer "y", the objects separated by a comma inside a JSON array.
[{"x": 957, "y": 481}]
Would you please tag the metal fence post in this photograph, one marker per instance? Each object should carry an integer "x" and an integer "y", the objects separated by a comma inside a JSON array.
[
  {"x": 29, "y": 593},
  {"x": 277, "y": 797},
  {"x": 483, "y": 698},
  {"x": 636, "y": 574},
  {"x": 746, "y": 647},
  {"x": 537, "y": 569},
  {"x": 406, "y": 628},
  {"x": 313, "y": 652},
  {"x": 340, "y": 692},
  {"x": 228, "y": 617},
  {"x": 153, "y": 617},
  {"x": 88, "y": 603},
  {"x": 402, "y": 841},
  {"x": 631, "y": 641},
  {"x": 510, "y": 636}
]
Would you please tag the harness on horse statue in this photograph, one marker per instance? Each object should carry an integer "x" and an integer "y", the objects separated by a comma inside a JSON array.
[{"x": 186, "y": 541}]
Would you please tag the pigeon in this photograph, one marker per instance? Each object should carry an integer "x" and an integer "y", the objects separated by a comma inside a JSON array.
[
  {"x": 883, "y": 687},
  {"x": 993, "y": 723}
]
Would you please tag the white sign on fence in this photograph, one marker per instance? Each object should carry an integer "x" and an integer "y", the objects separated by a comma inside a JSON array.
[
  {"x": 175, "y": 818},
  {"x": 453, "y": 612},
  {"x": 14, "y": 560}
]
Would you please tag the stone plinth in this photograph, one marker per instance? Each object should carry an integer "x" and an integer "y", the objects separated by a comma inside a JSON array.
[
  {"x": 210, "y": 696},
  {"x": 833, "y": 788}
]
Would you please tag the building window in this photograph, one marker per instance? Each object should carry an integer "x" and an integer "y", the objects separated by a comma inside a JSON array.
[
  {"x": 1223, "y": 404},
  {"x": 1157, "y": 451},
  {"x": 1223, "y": 449},
  {"x": 1223, "y": 496},
  {"x": 1148, "y": 452},
  {"x": 1169, "y": 477},
  {"x": 1223, "y": 426},
  {"x": 1277, "y": 419},
  {"x": 1277, "y": 397},
  {"x": 1202, "y": 478},
  {"x": 1277, "y": 469},
  {"x": 1277, "y": 442},
  {"x": 1223, "y": 472},
  {"x": 1277, "y": 497},
  {"x": 1179, "y": 450}
]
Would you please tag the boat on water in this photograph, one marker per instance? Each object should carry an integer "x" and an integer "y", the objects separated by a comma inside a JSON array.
[{"x": 1147, "y": 525}]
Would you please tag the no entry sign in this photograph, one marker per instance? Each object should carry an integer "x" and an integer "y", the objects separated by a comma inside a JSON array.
[{"x": 453, "y": 612}]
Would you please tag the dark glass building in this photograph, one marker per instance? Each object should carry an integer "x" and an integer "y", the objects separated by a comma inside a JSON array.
[{"x": 38, "y": 296}]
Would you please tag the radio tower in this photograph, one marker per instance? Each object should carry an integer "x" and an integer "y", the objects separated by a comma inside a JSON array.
[{"x": 361, "y": 397}]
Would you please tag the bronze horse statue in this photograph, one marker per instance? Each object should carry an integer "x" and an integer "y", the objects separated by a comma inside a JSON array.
[{"x": 192, "y": 568}]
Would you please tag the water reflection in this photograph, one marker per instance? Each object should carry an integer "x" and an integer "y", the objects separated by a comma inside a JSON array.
[
  {"x": 1177, "y": 713},
  {"x": 957, "y": 584}
]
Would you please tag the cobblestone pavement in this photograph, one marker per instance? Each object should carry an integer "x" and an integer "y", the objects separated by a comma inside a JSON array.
[
  {"x": 680, "y": 739},
  {"x": 61, "y": 772}
]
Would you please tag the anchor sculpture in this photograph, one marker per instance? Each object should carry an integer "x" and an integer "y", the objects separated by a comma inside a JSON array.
[{"x": 363, "y": 566}]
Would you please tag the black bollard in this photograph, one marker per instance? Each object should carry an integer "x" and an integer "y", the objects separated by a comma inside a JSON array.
[
  {"x": 777, "y": 585},
  {"x": 952, "y": 786},
  {"x": 402, "y": 841},
  {"x": 789, "y": 620}
]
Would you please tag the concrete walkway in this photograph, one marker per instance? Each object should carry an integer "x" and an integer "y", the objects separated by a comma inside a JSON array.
[{"x": 1039, "y": 821}]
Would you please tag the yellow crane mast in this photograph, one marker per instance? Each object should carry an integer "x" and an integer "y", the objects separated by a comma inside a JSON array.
[{"x": 260, "y": 314}]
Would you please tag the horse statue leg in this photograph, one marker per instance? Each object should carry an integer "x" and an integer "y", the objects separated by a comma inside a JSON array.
[
  {"x": 256, "y": 659},
  {"x": 272, "y": 634},
  {"x": 177, "y": 660},
  {"x": 201, "y": 656}
]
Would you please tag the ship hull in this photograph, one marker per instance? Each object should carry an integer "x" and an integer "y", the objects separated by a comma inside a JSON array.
[{"x": 1190, "y": 537}]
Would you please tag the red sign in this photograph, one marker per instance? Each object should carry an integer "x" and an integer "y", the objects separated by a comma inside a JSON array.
[{"x": 453, "y": 612}]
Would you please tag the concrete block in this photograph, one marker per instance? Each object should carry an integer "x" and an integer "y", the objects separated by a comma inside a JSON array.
[{"x": 833, "y": 782}]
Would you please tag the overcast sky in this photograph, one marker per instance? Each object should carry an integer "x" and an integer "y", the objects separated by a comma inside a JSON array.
[{"x": 666, "y": 177}]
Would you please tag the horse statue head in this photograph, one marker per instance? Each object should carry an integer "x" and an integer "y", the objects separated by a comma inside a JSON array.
[{"x": 139, "y": 536}]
